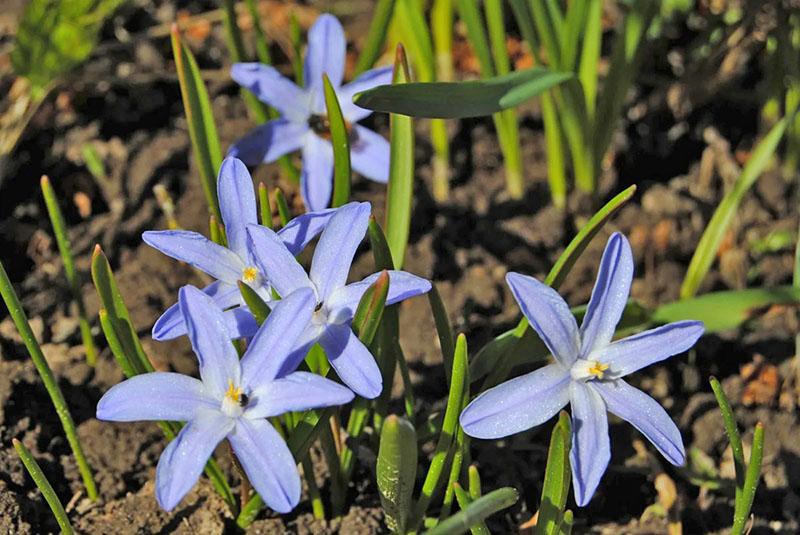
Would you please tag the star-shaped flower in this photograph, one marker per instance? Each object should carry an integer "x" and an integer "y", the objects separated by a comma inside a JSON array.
[
  {"x": 304, "y": 124},
  {"x": 587, "y": 372},
  {"x": 232, "y": 264},
  {"x": 232, "y": 400},
  {"x": 336, "y": 301}
]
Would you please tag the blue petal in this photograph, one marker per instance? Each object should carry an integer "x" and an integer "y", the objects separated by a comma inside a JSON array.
[
  {"x": 369, "y": 154},
  {"x": 211, "y": 341},
  {"x": 646, "y": 415},
  {"x": 277, "y": 337},
  {"x": 368, "y": 80},
  {"x": 240, "y": 322},
  {"x": 352, "y": 361},
  {"x": 171, "y": 323},
  {"x": 271, "y": 87},
  {"x": 237, "y": 203},
  {"x": 298, "y": 391},
  {"x": 302, "y": 229},
  {"x": 337, "y": 246},
  {"x": 155, "y": 396},
  {"x": 316, "y": 178},
  {"x": 591, "y": 449},
  {"x": 549, "y": 316},
  {"x": 342, "y": 303},
  {"x": 636, "y": 352},
  {"x": 268, "y": 463},
  {"x": 198, "y": 251},
  {"x": 610, "y": 293},
  {"x": 183, "y": 460},
  {"x": 276, "y": 262},
  {"x": 518, "y": 404},
  {"x": 269, "y": 141},
  {"x": 326, "y": 55}
]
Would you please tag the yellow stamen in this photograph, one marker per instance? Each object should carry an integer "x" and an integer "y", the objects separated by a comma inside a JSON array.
[
  {"x": 249, "y": 274},
  {"x": 234, "y": 393},
  {"x": 598, "y": 369}
]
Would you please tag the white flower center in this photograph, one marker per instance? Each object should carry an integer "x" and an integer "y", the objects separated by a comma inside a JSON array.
[
  {"x": 234, "y": 402},
  {"x": 251, "y": 276},
  {"x": 586, "y": 370}
]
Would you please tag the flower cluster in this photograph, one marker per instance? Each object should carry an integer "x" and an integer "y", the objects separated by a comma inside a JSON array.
[{"x": 234, "y": 396}]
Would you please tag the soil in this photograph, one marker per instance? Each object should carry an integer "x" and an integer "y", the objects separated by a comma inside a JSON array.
[{"x": 126, "y": 101}]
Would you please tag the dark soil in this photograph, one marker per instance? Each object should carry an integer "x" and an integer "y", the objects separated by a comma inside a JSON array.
[{"x": 126, "y": 101}]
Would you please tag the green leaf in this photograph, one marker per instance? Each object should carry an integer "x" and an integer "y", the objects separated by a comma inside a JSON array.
[
  {"x": 555, "y": 489},
  {"x": 474, "y": 482},
  {"x": 340, "y": 139},
  {"x": 721, "y": 311},
  {"x": 452, "y": 100},
  {"x": 396, "y": 471},
  {"x": 733, "y": 434},
  {"x": 478, "y": 510},
  {"x": 254, "y": 302},
  {"x": 264, "y": 206},
  {"x": 370, "y": 309},
  {"x": 376, "y": 35},
  {"x": 44, "y": 486},
  {"x": 380, "y": 249},
  {"x": 401, "y": 171},
  {"x": 416, "y": 38},
  {"x": 443, "y": 330},
  {"x": 284, "y": 213},
  {"x": 715, "y": 231},
  {"x": 202, "y": 129},
  {"x": 745, "y": 501},
  {"x": 464, "y": 501}
]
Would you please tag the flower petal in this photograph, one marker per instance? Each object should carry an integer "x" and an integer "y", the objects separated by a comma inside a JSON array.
[
  {"x": 183, "y": 460},
  {"x": 636, "y": 352},
  {"x": 302, "y": 229},
  {"x": 610, "y": 293},
  {"x": 316, "y": 178},
  {"x": 368, "y": 80},
  {"x": 369, "y": 154},
  {"x": 352, "y": 361},
  {"x": 211, "y": 341},
  {"x": 275, "y": 261},
  {"x": 269, "y": 141},
  {"x": 272, "y": 87},
  {"x": 298, "y": 391},
  {"x": 276, "y": 338},
  {"x": 518, "y": 404},
  {"x": 342, "y": 303},
  {"x": 198, "y": 251},
  {"x": 337, "y": 247},
  {"x": 548, "y": 314},
  {"x": 268, "y": 463},
  {"x": 325, "y": 55},
  {"x": 240, "y": 322},
  {"x": 155, "y": 396},
  {"x": 591, "y": 449},
  {"x": 171, "y": 323},
  {"x": 237, "y": 202},
  {"x": 645, "y": 414}
]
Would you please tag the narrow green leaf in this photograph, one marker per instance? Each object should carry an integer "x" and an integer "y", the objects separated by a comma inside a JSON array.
[
  {"x": 715, "y": 231},
  {"x": 396, "y": 471},
  {"x": 546, "y": 31},
  {"x": 753, "y": 473},
  {"x": 475, "y": 491},
  {"x": 262, "y": 45},
  {"x": 554, "y": 146},
  {"x": 573, "y": 30},
  {"x": 401, "y": 171},
  {"x": 443, "y": 330},
  {"x": 555, "y": 489},
  {"x": 284, "y": 213},
  {"x": 565, "y": 527},
  {"x": 452, "y": 100},
  {"x": 376, "y": 35},
  {"x": 340, "y": 139},
  {"x": 202, "y": 129},
  {"x": 590, "y": 54},
  {"x": 44, "y": 486},
  {"x": 215, "y": 231},
  {"x": 296, "y": 39},
  {"x": 20, "y": 319},
  {"x": 497, "y": 35},
  {"x": 721, "y": 311},
  {"x": 471, "y": 15},
  {"x": 370, "y": 309},
  {"x": 65, "y": 249},
  {"x": 380, "y": 248},
  {"x": 733, "y": 433},
  {"x": 464, "y": 501},
  {"x": 416, "y": 38},
  {"x": 477, "y": 511},
  {"x": 264, "y": 206},
  {"x": 110, "y": 332},
  {"x": 254, "y": 302}
]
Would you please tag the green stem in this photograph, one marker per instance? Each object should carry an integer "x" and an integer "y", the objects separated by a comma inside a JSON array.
[
  {"x": 50, "y": 383},
  {"x": 44, "y": 487}
]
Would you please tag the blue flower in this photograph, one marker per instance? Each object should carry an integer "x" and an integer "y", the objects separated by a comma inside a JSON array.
[
  {"x": 232, "y": 400},
  {"x": 303, "y": 123},
  {"x": 336, "y": 301},
  {"x": 587, "y": 372},
  {"x": 232, "y": 264}
]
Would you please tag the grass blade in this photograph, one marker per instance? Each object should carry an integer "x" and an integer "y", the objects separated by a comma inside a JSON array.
[
  {"x": 202, "y": 129},
  {"x": 745, "y": 501},
  {"x": 48, "y": 379},
  {"x": 340, "y": 139},
  {"x": 712, "y": 237},
  {"x": 443, "y": 330},
  {"x": 396, "y": 471},
  {"x": 590, "y": 55},
  {"x": 376, "y": 36},
  {"x": 555, "y": 488},
  {"x": 65, "y": 249},
  {"x": 44, "y": 487},
  {"x": 401, "y": 172},
  {"x": 477, "y": 511},
  {"x": 264, "y": 206},
  {"x": 464, "y": 501},
  {"x": 733, "y": 433}
]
